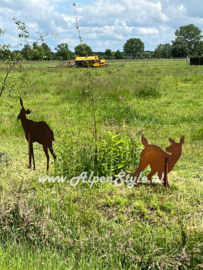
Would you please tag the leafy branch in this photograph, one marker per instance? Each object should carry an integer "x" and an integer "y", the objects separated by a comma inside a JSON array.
[
  {"x": 10, "y": 58},
  {"x": 91, "y": 91}
]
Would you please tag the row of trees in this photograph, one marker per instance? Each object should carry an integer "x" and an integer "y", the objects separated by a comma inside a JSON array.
[
  {"x": 187, "y": 42},
  {"x": 43, "y": 52}
]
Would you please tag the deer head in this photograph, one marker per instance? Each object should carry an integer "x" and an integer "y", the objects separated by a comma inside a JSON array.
[
  {"x": 175, "y": 147},
  {"x": 23, "y": 112}
]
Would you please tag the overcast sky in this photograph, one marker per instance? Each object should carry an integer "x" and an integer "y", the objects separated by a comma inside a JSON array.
[{"x": 104, "y": 24}]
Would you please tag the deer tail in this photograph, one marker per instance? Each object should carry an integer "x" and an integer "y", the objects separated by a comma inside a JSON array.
[{"x": 144, "y": 141}]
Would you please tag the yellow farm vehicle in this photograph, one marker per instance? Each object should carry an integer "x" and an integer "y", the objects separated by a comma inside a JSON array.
[{"x": 90, "y": 61}]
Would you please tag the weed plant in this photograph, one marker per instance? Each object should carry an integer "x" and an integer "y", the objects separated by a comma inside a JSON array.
[{"x": 116, "y": 153}]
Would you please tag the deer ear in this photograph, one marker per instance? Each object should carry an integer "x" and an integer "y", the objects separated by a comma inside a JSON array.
[
  {"x": 144, "y": 141},
  {"x": 171, "y": 140},
  {"x": 182, "y": 139},
  {"x": 28, "y": 112},
  {"x": 21, "y": 102}
]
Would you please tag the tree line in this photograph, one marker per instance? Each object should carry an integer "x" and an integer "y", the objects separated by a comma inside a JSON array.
[{"x": 187, "y": 43}]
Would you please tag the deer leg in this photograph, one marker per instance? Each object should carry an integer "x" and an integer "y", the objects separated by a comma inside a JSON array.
[
  {"x": 135, "y": 175},
  {"x": 52, "y": 152},
  {"x": 32, "y": 155},
  {"x": 29, "y": 152},
  {"x": 149, "y": 176},
  {"x": 139, "y": 169},
  {"x": 47, "y": 155}
]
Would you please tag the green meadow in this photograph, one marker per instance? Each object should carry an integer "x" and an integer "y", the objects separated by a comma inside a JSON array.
[{"x": 54, "y": 225}]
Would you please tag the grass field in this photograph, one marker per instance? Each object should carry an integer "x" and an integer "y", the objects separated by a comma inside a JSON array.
[{"x": 57, "y": 226}]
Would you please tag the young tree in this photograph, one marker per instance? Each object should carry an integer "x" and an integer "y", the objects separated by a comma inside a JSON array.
[
  {"x": 12, "y": 58},
  {"x": 118, "y": 55},
  {"x": 63, "y": 51},
  {"x": 163, "y": 51},
  {"x": 147, "y": 55},
  {"x": 133, "y": 46},
  {"x": 5, "y": 54},
  {"x": 159, "y": 51},
  {"x": 190, "y": 33},
  {"x": 37, "y": 52},
  {"x": 86, "y": 52},
  {"x": 198, "y": 48},
  {"x": 47, "y": 51},
  {"x": 139, "y": 55},
  {"x": 108, "y": 54},
  {"x": 9, "y": 58},
  {"x": 26, "y": 52},
  {"x": 180, "y": 47}
]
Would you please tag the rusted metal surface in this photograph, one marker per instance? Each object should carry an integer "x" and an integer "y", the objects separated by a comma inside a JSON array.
[
  {"x": 166, "y": 184},
  {"x": 29, "y": 143},
  {"x": 36, "y": 132},
  {"x": 71, "y": 63},
  {"x": 155, "y": 157}
]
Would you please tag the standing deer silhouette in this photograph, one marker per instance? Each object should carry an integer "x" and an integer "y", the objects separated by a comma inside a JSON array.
[
  {"x": 155, "y": 157},
  {"x": 39, "y": 132}
]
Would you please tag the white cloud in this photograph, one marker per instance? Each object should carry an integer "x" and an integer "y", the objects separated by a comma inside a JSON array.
[
  {"x": 148, "y": 31},
  {"x": 103, "y": 23}
]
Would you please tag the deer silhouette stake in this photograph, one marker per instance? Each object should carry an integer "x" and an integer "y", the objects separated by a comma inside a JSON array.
[
  {"x": 36, "y": 132},
  {"x": 155, "y": 157}
]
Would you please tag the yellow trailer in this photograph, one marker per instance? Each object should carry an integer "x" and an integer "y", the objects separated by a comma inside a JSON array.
[{"x": 90, "y": 61}]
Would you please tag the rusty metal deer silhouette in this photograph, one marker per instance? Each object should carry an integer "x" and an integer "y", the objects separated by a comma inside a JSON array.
[
  {"x": 155, "y": 157},
  {"x": 37, "y": 132}
]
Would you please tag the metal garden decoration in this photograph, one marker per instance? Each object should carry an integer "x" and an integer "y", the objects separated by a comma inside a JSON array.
[
  {"x": 159, "y": 161},
  {"x": 36, "y": 132}
]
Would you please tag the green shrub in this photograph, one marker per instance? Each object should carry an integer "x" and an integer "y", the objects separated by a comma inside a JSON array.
[
  {"x": 115, "y": 153},
  {"x": 74, "y": 157}
]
